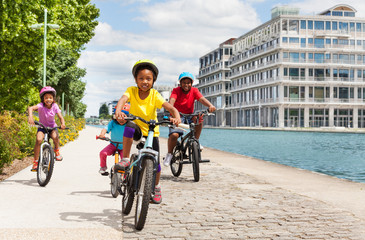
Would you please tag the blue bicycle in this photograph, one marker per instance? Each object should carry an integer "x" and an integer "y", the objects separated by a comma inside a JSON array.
[{"x": 139, "y": 177}]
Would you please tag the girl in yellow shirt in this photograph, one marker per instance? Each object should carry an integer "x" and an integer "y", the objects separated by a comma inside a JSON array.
[{"x": 145, "y": 101}]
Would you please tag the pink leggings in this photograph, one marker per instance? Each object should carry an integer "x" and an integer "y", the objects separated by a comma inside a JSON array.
[{"x": 107, "y": 151}]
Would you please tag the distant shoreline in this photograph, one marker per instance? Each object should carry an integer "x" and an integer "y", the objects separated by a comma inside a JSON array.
[{"x": 296, "y": 129}]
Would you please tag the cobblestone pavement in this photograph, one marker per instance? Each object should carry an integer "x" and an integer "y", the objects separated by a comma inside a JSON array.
[{"x": 228, "y": 204}]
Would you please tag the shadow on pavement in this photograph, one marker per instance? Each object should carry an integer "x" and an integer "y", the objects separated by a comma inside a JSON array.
[
  {"x": 103, "y": 194},
  {"x": 29, "y": 182},
  {"x": 109, "y": 217}
]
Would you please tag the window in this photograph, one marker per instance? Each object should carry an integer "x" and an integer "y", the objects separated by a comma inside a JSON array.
[
  {"x": 343, "y": 92},
  {"x": 328, "y": 25},
  {"x": 334, "y": 25},
  {"x": 294, "y": 57},
  {"x": 294, "y": 72},
  {"x": 358, "y": 27},
  {"x": 303, "y": 24},
  {"x": 319, "y": 42},
  {"x": 310, "y": 24},
  {"x": 285, "y": 39},
  {"x": 318, "y": 25},
  {"x": 302, "y": 42},
  {"x": 343, "y": 26},
  {"x": 337, "y": 13},
  {"x": 319, "y": 57},
  {"x": 328, "y": 41},
  {"x": 293, "y": 40},
  {"x": 352, "y": 27}
]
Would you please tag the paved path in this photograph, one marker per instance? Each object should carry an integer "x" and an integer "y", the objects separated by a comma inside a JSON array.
[{"x": 237, "y": 198}]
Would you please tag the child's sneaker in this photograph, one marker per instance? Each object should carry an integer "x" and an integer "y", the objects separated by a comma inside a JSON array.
[
  {"x": 124, "y": 163},
  {"x": 157, "y": 198},
  {"x": 35, "y": 166},
  {"x": 58, "y": 155},
  {"x": 103, "y": 171},
  {"x": 167, "y": 160}
]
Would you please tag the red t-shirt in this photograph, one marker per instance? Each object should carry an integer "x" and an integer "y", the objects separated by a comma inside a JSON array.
[{"x": 185, "y": 101}]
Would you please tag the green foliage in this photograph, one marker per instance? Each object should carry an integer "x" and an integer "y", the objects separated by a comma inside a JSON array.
[
  {"x": 103, "y": 111},
  {"x": 17, "y": 138},
  {"x": 21, "y": 49}
]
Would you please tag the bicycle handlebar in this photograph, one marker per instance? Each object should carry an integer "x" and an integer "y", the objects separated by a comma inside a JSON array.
[
  {"x": 41, "y": 125},
  {"x": 151, "y": 122},
  {"x": 202, "y": 112},
  {"x": 107, "y": 139}
]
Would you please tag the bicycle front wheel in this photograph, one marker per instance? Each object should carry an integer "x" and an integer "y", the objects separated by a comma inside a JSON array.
[
  {"x": 144, "y": 193},
  {"x": 45, "y": 166},
  {"x": 176, "y": 161},
  {"x": 195, "y": 157}
]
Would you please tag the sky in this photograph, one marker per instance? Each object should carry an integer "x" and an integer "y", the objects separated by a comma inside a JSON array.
[{"x": 172, "y": 33}]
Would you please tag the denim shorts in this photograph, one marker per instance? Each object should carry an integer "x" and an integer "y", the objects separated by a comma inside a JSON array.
[{"x": 44, "y": 131}]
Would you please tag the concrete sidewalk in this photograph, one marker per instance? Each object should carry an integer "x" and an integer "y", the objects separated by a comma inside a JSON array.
[{"x": 237, "y": 198}]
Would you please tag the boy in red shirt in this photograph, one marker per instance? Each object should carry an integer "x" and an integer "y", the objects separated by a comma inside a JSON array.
[{"x": 183, "y": 98}]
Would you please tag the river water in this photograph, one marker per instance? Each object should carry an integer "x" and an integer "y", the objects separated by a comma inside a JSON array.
[{"x": 337, "y": 154}]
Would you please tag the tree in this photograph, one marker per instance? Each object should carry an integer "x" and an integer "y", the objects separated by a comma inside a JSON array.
[
  {"x": 66, "y": 77},
  {"x": 103, "y": 111},
  {"x": 21, "y": 48}
]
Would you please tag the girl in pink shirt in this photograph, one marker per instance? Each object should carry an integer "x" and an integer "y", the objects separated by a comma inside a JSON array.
[{"x": 47, "y": 110}]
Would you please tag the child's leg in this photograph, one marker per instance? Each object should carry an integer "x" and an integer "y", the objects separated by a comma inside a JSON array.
[
  {"x": 55, "y": 138},
  {"x": 38, "y": 142},
  {"x": 107, "y": 151},
  {"x": 127, "y": 145}
]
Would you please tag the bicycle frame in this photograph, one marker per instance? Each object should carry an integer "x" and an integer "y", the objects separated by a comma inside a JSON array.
[{"x": 141, "y": 183}]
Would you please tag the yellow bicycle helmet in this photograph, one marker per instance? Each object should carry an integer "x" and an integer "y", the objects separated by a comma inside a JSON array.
[{"x": 145, "y": 63}]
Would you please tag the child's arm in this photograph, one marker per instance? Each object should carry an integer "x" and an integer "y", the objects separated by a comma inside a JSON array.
[
  {"x": 30, "y": 114},
  {"x": 208, "y": 104},
  {"x": 63, "y": 126},
  {"x": 102, "y": 133},
  {"x": 175, "y": 114},
  {"x": 118, "y": 111}
]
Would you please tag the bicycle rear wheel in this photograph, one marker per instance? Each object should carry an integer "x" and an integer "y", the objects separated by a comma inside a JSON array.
[
  {"x": 115, "y": 182},
  {"x": 45, "y": 165},
  {"x": 128, "y": 196},
  {"x": 144, "y": 192},
  {"x": 195, "y": 157},
  {"x": 176, "y": 161}
]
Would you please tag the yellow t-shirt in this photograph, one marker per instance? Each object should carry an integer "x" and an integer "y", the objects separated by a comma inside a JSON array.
[{"x": 146, "y": 108}]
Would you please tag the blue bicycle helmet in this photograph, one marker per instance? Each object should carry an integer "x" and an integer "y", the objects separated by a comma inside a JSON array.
[{"x": 186, "y": 75}]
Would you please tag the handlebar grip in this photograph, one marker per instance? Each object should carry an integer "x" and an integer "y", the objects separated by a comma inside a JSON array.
[
  {"x": 182, "y": 125},
  {"x": 97, "y": 137}
]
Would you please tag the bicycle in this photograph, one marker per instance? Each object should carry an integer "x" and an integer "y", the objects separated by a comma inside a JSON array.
[
  {"x": 188, "y": 147},
  {"x": 139, "y": 179},
  {"x": 46, "y": 157},
  {"x": 115, "y": 176}
]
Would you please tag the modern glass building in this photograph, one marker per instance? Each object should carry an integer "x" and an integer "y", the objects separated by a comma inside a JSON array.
[{"x": 292, "y": 71}]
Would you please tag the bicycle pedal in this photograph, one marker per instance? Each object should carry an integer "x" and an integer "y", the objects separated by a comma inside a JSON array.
[{"x": 105, "y": 174}]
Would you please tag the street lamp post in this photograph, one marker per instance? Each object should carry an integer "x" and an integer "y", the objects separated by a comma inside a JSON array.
[{"x": 45, "y": 25}]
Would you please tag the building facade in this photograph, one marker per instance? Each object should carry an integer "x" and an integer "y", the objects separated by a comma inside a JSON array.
[{"x": 292, "y": 71}]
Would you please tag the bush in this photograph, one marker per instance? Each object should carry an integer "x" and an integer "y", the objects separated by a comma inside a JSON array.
[{"x": 16, "y": 137}]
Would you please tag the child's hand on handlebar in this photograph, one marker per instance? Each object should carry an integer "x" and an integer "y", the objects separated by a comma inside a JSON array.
[
  {"x": 211, "y": 109},
  {"x": 31, "y": 121},
  {"x": 120, "y": 115},
  {"x": 175, "y": 121},
  {"x": 63, "y": 126}
]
